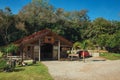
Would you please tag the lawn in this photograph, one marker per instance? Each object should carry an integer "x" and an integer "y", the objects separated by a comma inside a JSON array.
[
  {"x": 110, "y": 56},
  {"x": 31, "y": 72}
]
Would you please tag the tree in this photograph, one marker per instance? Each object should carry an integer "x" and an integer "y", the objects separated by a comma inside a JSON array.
[
  {"x": 100, "y": 26},
  {"x": 77, "y": 45},
  {"x": 104, "y": 33},
  {"x": 8, "y": 28},
  {"x": 84, "y": 45},
  {"x": 36, "y": 15},
  {"x": 7, "y": 21},
  {"x": 113, "y": 43},
  {"x": 72, "y": 22}
]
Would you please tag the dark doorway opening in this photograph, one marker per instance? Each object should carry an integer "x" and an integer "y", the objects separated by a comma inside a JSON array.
[{"x": 46, "y": 51}]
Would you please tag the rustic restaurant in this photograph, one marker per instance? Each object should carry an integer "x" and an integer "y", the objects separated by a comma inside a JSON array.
[{"x": 43, "y": 45}]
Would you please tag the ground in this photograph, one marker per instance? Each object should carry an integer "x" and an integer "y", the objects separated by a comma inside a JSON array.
[{"x": 92, "y": 69}]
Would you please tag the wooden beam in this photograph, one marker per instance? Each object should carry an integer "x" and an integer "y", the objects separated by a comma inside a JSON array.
[
  {"x": 59, "y": 50},
  {"x": 39, "y": 50}
]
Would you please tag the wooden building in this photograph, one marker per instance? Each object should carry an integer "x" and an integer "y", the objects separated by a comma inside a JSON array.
[{"x": 43, "y": 45}]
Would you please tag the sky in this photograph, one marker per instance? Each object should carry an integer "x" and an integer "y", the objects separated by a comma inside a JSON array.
[{"x": 108, "y": 9}]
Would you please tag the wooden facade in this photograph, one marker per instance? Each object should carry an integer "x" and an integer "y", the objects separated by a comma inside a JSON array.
[{"x": 43, "y": 45}]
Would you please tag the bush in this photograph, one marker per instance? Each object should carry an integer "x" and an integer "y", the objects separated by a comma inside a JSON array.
[
  {"x": 6, "y": 65},
  {"x": 10, "y": 48},
  {"x": 2, "y": 63},
  {"x": 10, "y": 66}
]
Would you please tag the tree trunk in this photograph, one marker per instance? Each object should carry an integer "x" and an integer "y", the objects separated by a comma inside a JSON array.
[{"x": 84, "y": 56}]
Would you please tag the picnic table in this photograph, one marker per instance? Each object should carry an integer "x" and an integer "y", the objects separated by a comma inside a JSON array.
[{"x": 71, "y": 56}]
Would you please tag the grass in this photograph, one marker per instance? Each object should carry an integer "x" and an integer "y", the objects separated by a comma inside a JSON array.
[
  {"x": 110, "y": 56},
  {"x": 33, "y": 72}
]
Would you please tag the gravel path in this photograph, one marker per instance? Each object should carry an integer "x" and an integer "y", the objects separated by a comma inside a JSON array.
[{"x": 90, "y": 70}]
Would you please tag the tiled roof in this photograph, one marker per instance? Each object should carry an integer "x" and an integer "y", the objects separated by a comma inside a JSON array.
[{"x": 37, "y": 35}]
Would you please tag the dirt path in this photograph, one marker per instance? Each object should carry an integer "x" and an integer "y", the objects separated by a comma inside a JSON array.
[{"x": 77, "y": 70}]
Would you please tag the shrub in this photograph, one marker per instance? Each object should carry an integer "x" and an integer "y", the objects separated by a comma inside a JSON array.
[
  {"x": 8, "y": 49},
  {"x": 2, "y": 63}
]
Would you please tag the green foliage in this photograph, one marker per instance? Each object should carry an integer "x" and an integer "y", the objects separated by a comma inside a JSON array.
[
  {"x": 8, "y": 49},
  {"x": 90, "y": 44},
  {"x": 2, "y": 63},
  {"x": 77, "y": 45},
  {"x": 110, "y": 56},
  {"x": 106, "y": 40},
  {"x": 80, "y": 45},
  {"x": 114, "y": 40},
  {"x": 84, "y": 45},
  {"x": 8, "y": 30},
  {"x": 102, "y": 40},
  {"x": 100, "y": 26},
  {"x": 104, "y": 33}
]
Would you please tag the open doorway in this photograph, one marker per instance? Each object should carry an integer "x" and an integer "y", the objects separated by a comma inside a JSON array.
[{"x": 46, "y": 51}]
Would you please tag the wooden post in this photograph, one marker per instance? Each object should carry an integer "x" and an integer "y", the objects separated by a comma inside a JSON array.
[
  {"x": 21, "y": 51},
  {"x": 59, "y": 50},
  {"x": 39, "y": 49}
]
